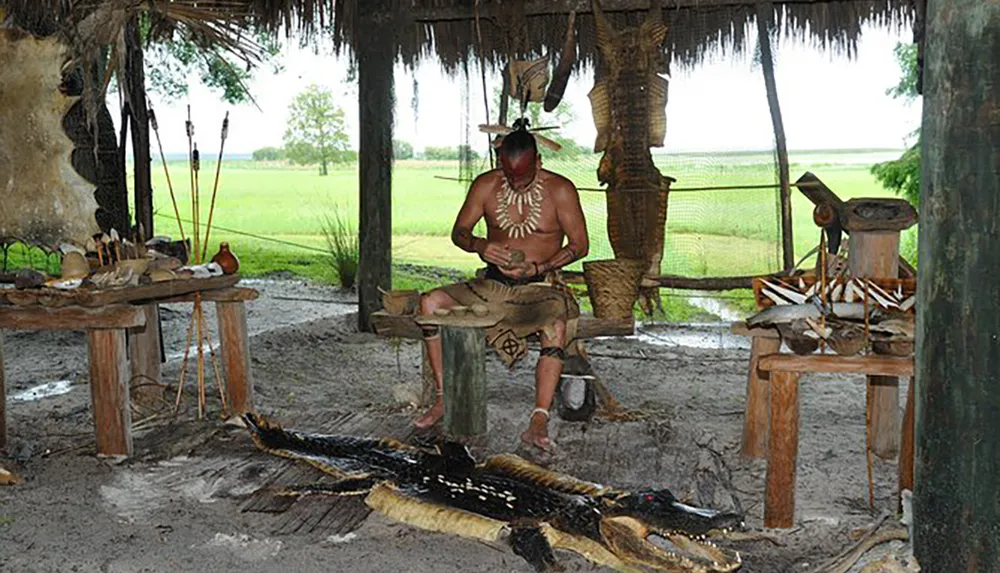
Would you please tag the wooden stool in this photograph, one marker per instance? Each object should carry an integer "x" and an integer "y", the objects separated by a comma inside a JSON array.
[
  {"x": 463, "y": 365},
  {"x": 783, "y": 372}
]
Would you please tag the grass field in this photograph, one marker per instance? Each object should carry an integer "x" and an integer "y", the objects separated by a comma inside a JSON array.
[{"x": 272, "y": 215}]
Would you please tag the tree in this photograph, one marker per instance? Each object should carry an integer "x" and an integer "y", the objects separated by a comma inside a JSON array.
[
  {"x": 538, "y": 117},
  {"x": 316, "y": 131},
  {"x": 269, "y": 154},
  {"x": 902, "y": 176},
  {"x": 402, "y": 149},
  {"x": 171, "y": 58}
]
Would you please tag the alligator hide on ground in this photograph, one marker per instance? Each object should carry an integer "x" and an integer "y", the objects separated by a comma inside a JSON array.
[
  {"x": 507, "y": 498},
  {"x": 43, "y": 200},
  {"x": 629, "y": 108}
]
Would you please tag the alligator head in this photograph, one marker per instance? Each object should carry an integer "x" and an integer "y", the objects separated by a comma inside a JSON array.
[{"x": 635, "y": 519}]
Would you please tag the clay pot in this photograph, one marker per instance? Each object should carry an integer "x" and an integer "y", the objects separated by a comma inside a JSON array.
[{"x": 226, "y": 259}]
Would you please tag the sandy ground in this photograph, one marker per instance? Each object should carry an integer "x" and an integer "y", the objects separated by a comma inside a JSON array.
[{"x": 175, "y": 506}]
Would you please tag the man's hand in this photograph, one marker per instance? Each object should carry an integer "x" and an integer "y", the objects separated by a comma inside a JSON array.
[{"x": 497, "y": 254}]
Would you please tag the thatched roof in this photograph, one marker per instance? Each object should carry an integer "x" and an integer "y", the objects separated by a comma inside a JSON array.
[{"x": 446, "y": 30}]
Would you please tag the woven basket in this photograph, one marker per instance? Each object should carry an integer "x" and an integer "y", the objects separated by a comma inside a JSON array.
[{"x": 613, "y": 286}]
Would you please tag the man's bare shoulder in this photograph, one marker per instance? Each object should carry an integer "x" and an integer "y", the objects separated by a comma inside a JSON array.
[
  {"x": 485, "y": 182},
  {"x": 560, "y": 187}
]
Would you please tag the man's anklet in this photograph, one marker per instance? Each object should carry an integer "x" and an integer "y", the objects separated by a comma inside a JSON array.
[{"x": 544, "y": 411}]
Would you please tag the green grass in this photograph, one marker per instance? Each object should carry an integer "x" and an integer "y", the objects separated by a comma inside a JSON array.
[{"x": 272, "y": 214}]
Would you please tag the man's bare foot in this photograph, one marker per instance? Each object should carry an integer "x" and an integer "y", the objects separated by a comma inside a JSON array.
[
  {"x": 538, "y": 432},
  {"x": 431, "y": 416}
]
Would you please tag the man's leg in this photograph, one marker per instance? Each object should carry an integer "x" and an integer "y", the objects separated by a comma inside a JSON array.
[
  {"x": 547, "y": 372},
  {"x": 432, "y": 341}
]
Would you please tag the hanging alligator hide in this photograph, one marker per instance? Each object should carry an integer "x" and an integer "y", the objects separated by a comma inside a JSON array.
[
  {"x": 560, "y": 78},
  {"x": 43, "y": 200},
  {"x": 629, "y": 109}
]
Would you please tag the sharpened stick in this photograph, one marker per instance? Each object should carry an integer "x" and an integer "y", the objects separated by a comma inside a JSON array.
[
  {"x": 184, "y": 361},
  {"x": 215, "y": 186},
  {"x": 201, "y": 358},
  {"x": 170, "y": 186}
]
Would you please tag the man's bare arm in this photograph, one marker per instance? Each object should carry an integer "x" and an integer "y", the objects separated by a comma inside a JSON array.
[
  {"x": 574, "y": 226},
  {"x": 470, "y": 214}
]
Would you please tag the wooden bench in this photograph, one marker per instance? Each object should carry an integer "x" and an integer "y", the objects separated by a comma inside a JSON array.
[
  {"x": 464, "y": 361},
  {"x": 111, "y": 316},
  {"x": 772, "y": 415}
]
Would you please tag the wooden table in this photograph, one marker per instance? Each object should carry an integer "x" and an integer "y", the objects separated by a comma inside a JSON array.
[
  {"x": 779, "y": 374},
  {"x": 108, "y": 317}
]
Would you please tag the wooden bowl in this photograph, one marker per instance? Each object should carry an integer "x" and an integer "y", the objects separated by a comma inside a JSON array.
[{"x": 401, "y": 301}]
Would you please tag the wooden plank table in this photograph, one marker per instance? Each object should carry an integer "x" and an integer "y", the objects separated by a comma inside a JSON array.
[
  {"x": 108, "y": 317},
  {"x": 782, "y": 372}
]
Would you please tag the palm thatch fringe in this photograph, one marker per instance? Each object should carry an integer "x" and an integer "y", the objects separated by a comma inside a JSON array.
[{"x": 697, "y": 30}]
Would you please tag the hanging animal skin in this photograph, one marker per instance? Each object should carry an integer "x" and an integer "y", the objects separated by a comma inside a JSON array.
[
  {"x": 629, "y": 109},
  {"x": 43, "y": 200},
  {"x": 528, "y": 79},
  {"x": 560, "y": 78}
]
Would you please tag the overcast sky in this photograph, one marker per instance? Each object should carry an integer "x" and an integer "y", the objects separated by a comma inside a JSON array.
[{"x": 827, "y": 102}]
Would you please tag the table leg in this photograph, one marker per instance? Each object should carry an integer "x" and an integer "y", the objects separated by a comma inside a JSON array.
[
  {"x": 144, "y": 356},
  {"x": 756, "y": 412},
  {"x": 885, "y": 415},
  {"x": 109, "y": 391},
  {"x": 779, "y": 496},
  {"x": 906, "y": 448},
  {"x": 234, "y": 343}
]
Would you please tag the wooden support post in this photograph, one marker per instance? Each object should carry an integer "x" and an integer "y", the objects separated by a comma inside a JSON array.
[
  {"x": 234, "y": 343},
  {"x": 464, "y": 365},
  {"x": 375, "y": 95},
  {"x": 876, "y": 254},
  {"x": 906, "y": 446},
  {"x": 139, "y": 119},
  {"x": 756, "y": 416},
  {"x": 957, "y": 472},
  {"x": 109, "y": 391},
  {"x": 783, "y": 452},
  {"x": 144, "y": 354},
  {"x": 3, "y": 402},
  {"x": 765, "y": 20}
]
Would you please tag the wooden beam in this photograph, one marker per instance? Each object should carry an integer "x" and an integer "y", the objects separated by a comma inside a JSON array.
[
  {"x": 229, "y": 294},
  {"x": 832, "y": 363},
  {"x": 3, "y": 402},
  {"x": 375, "y": 115},
  {"x": 563, "y": 7},
  {"x": 71, "y": 317},
  {"x": 957, "y": 471},
  {"x": 765, "y": 22},
  {"x": 688, "y": 283}
]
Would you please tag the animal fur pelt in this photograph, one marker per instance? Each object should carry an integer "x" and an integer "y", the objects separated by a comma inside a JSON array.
[{"x": 43, "y": 200}]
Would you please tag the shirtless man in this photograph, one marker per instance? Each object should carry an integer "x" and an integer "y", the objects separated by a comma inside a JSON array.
[{"x": 550, "y": 213}]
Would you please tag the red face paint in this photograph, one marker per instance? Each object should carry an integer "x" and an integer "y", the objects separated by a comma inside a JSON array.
[{"x": 520, "y": 171}]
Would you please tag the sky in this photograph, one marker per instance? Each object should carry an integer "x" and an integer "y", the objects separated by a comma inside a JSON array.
[{"x": 827, "y": 102}]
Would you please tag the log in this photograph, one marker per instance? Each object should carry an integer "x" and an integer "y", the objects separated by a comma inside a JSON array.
[
  {"x": 234, "y": 343},
  {"x": 957, "y": 470},
  {"x": 464, "y": 366},
  {"x": 756, "y": 416},
  {"x": 109, "y": 392},
  {"x": 375, "y": 95},
  {"x": 783, "y": 451},
  {"x": 817, "y": 192},
  {"x": 875, "y": 254},
  {"x": 70, "y": 317},
  {"x": 832, "y": 363}
]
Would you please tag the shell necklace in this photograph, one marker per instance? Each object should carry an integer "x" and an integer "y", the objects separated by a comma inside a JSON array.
[{"x": 507, "y": 197}]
